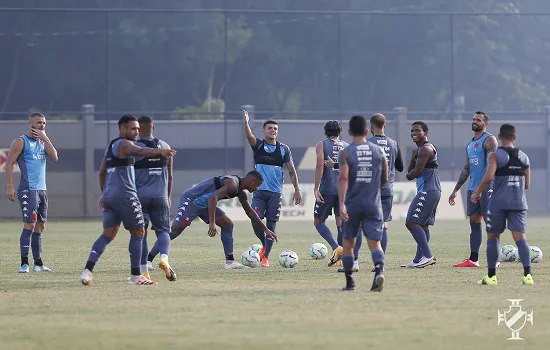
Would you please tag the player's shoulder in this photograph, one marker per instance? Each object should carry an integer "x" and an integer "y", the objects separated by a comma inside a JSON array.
[
  {"x": 285, "y": 146},
  {"x": 523, "y": 157},
  {"x": 163, "y": 144}
]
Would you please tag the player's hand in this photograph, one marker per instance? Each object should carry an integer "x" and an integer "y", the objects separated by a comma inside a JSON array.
[
  {"x": 344, "y": 212},
  {"x": 476, "y": 197},
  {"x": 271, "y": 234},
  {"x": 39, "y": 134},
  {"x": 329, "y": 163},
  {"x": 452, "y": 198},
  {"x": 212, "y": 230},
  {"x": 11, "y": 193},
  {"x": 297, "y": 197},
  {"x": 318, "y": 196},
  {"x": 168, "y": 153},
  {"x": 100, "y": 204},
  {"x": 245, "y": 117}
]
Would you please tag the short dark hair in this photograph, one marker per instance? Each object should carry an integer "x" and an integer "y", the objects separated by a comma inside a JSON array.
[
  {"x": 145, "y": 120},
  {"x": 485, "y": 116},
  {"x": 507, "y": 131},
  {"x": 36, "y": 114},
  {"x": 423, "y": 125},
  {"x": 378, "y": 120},
  {"x": 333, "y": 128},
  {"x": 357, "y": 125},
  {"x": 126, "y": 119},
  {"x": 256, "y": 174},
  {"x": 270, "y": 121}
]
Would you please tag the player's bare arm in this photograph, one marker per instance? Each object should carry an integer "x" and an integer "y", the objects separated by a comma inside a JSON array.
[
  {"x": 319, "y": 169},
  {"x": 243, "y": 199},
  {"x": 15, "y": 150},
  {"x": 487, "y": 179},
  {"x": 490, "y": 144},
  {"x": 102, "y": 176},
  {"x": 343, "y": 183},
  {"x": 462, "y": 178},
  {"x": 229, "y": 187},
  {"x": 129, "y": 149},
  {"x": 399, "y": 166},
  {"x": 248, "y": 132},
  {"x": 170, "y": 167},
  {"x": 412, "y": 162},
  {"x": 384, "y": 177},
  {"x": 421, "y": 161},
  {"x": 48, "y": 145},
  {"x": 294, "y": 178}
]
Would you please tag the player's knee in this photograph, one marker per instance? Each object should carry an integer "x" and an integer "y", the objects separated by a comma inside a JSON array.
[
  {"x": 493, "y": 235},
  {"x": 410, "y": 225},
  {"x": 517, "y": 236},
  {"x": 475, "y": 219},
  {"x": 317, "y": 221},
  {"x": 139, "y": 232},
  {"x": 29, "y": 226}
]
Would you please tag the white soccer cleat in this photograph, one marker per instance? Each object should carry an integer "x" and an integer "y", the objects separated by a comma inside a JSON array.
[
  {"x": 424, "y": 262},
  {"x": 86, "y": 278},
  {"x": 24, "y": 268},
  {"x": 234, "y": 265},
  {"x": 141, "y": 280},
  {"x": 42, "y": 268},
  {"x": 409, "y": 265},
  {"x": 150, "y": 266},
  {"x": 355, "y": 266}
]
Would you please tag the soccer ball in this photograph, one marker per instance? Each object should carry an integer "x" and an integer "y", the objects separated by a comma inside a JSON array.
[
  {"x": 288, "y": 258},
  {"x": 318, "y": 251},
  {"x": 507, "y": 253},
  {"x": 536, "y": 254},
  {"x": 255, "y": 247},
  {"x": 251, "y": 258}
]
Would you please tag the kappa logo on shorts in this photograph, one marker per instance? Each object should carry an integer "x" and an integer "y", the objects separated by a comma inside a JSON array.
[
  {"x": 420, "y": 204},
  {"x": 25, "y": 203},
  {"x": 418, "y": 210},
  {"x": 25, "y": 209},
  {"x": 136, "y": 210},
  {"x": 24, "y": 196},
  {"x": 416, "y": 216},
  {"x": 422, "y": 198}
]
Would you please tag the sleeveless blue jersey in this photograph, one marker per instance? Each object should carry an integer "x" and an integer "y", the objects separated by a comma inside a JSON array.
[
  {"x": 478, "y": 160},
  {"x": 32, "y": 163}
]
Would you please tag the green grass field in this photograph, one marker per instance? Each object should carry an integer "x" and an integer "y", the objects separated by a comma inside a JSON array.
[{"x": 439, "y": 307}]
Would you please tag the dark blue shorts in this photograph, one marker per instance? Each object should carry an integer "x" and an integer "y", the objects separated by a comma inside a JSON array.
[
  {"x": 387, "y": 203},
  {"x": 188, "y": 211},
  {"x": 372, "y": 223},
  {"x": 423, "y": 208},
  {"x": 479, "y": 208},
  {"x": 156, "y": 211},
  {"x": 498, "y": 218},
  {"x": 34, "y": 205},
  {"x": 267, "y": 204},
  {"x": 126, "y": 210},
  {"x": 324, "y": 210}
]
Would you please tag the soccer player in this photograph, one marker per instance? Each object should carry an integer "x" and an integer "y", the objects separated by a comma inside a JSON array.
[
  {"x": 326, "y": 187},
  {"x": 201, "y": 201},
  {"x": 363, "y": 171},
  {"x": 421, "y": 214},
  {"x": 477, "y": 149},
  {"x": 29, "y": 151},
  {"x": 508, "y": 171},
  {"x": 269, "y": 157},
  {"x": 119, "y": 200},
  {"x": 154, "y": 188}
]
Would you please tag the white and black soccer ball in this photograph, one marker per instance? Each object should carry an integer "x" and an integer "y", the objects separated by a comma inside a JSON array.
[
  {"x": 256, "y": 247},
  {"x": 507, "y": 253},
  {"x": 536, "y": 254},
  {"x": 288, "y": 258},
  {"x": 251, "y": 258},
  {"x": 318, "y": 251}
]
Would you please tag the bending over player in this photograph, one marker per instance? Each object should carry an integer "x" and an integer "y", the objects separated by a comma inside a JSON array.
[
  {"x": 508, "y": 171},
  {"x": 201, "y": 201}
]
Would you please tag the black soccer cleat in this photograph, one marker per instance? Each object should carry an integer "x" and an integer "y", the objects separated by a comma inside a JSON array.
[{"x": 377, "y": 283}]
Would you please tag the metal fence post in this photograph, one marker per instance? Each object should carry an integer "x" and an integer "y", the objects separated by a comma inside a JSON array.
[
  {"x": 402, "y": 137},
  {"x": 88, "y": 121},
  {"x": 248, "y": 155}
]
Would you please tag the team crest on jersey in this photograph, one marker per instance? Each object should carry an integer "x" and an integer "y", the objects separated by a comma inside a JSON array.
[
  {"x": 41, "y": 142},
  {"x": 476, "y": 144}
]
